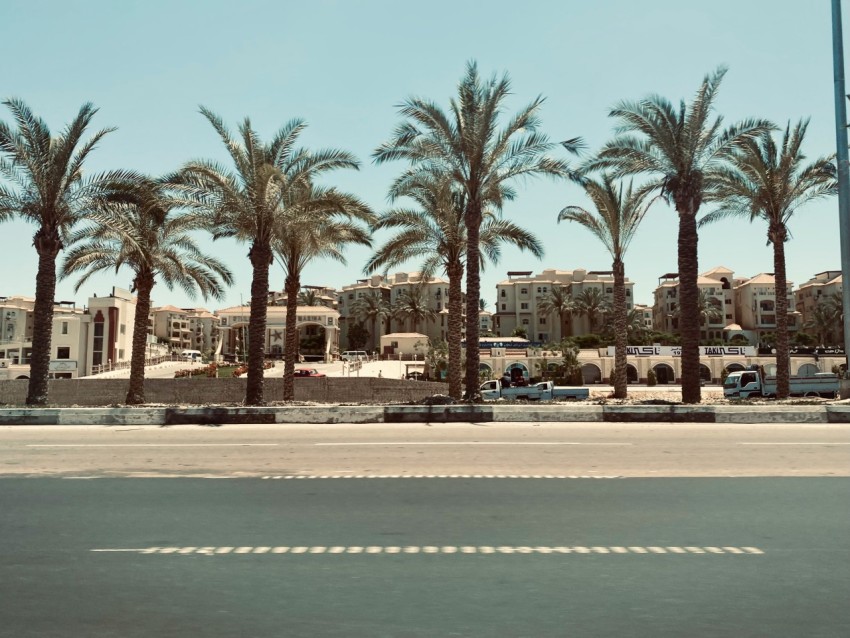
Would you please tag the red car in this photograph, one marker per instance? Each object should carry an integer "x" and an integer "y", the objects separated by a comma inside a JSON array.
[{"x": 308, "y": 372}]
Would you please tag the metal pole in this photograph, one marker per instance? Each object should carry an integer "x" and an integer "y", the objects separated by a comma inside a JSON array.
[{"x": 843, "y": 165}]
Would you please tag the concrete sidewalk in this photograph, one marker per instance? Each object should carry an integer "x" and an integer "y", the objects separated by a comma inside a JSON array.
[{"x": 320, "y": 414}]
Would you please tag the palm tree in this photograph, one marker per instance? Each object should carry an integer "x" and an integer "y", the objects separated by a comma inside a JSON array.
[
  {"x": 468, "y": 147},
  {"x": 315, "y": 224},
  {"x": 619, "y": 212},
  {"x": 436, "y": 228},
  {"x": 47, "y": 188},
  {"x": 770, "y": 183},
  {"x": 412, "y": 305},
  {"x": 824, "y": 319},
  {"x": 836, "y": 302},
  {"x": 147, "y": 233},
  {"x": 635, "y": 327},
  {"x": 558, "y": 302},
  {"x": 246, "y": 204},
  {"x": 309, "y": 298},
  {"x": 684, "y": 152},
  {"x": 371, "y": 307},
  {"x": 592, "y": 303}
]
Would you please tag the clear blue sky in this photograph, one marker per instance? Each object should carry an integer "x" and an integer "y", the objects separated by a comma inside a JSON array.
[{"x": 344, "y": 66}]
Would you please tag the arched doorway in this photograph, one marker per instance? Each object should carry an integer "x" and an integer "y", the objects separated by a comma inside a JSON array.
[
  {"x": 631, "y": 373},
  {"x": 517, "y": 371},
  {"x": 591, "y": 373},
  {"x": 704, "y": 373},
  {"x": 485, "y": 372},
  {"x": 734, "y": 367},
  {"x": 808, "y": 370},
  {"x": 664, "y": 374}
]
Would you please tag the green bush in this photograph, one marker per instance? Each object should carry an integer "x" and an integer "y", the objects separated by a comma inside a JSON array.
[{"x": 651, "y": 379}]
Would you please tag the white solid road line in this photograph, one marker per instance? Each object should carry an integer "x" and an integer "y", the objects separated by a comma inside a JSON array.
[
  {"x": 439, "y": 476},
  {"x": 408, "y": 443},
  {"x": 153, "y": 445},
  {"x": 437, "y": 549},
  {"x": 797, "y": 443}
]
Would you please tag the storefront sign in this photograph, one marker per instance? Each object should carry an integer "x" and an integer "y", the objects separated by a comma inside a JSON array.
[{"x": 676, "y": 351}]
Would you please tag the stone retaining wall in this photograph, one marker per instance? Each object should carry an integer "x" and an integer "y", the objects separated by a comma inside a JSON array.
[{"x": 199, "y": 391}]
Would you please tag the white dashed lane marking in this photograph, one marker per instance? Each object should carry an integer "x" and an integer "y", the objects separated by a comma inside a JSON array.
[
  {"x": 435, "y": 549},
  {"x": 441, "y": 476}
]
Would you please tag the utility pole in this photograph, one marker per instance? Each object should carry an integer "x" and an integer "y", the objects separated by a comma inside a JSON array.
[{"x": 843, "y": 166}]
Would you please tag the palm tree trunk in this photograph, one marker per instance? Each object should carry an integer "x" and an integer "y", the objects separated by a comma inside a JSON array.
[
  {"x": 47, "y": 244},
  {"x": 261, "y": 258},
  {"x": 689, "y": 301},
  {"x": 136, "y": 391},
  {"x": 621, "y": 338},
  {"x": 455, "y": 328},
  {"x": 290, "y": 346},
  {"x": 375, "y": 336},
  {"x": 473, "y": 294},
  {"x": 783, "y": 356}
]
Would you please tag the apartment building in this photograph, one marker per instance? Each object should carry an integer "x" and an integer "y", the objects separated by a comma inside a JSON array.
[
  {"x": 717, "y": 284},
  {"x": 808, "y": 295},
  {"x": 519, "y": 296},
  {"x": 390, "y": 288},
  {"x": 82, "y": 338},
  {"x": 325, "y": 296},
  {"x": 170, "y": 325},
  {"x": 755, "y": 306}
]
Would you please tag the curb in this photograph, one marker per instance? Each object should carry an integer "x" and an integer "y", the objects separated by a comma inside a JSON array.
[{"x": 427, "y": 414}]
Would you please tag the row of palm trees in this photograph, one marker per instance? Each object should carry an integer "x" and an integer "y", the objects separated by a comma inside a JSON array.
[{"x": 461, "y": 167}]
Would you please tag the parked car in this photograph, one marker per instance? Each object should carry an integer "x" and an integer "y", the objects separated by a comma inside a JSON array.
[
  {"x": 354, "y": 355},
  {"x": 308, "y": 372}
]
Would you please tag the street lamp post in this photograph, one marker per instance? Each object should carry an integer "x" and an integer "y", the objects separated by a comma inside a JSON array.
[{"x": 843, "y": 165}]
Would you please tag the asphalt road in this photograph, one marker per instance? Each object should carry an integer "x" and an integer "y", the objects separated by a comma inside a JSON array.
[
  {"x": 684, "y": 530},
  {"x": 425, "y": 557},
  {"x": 489, "y": 449}
]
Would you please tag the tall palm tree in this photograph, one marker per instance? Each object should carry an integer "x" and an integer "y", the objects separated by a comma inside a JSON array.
[
  {"x": 374, "y": 308},
  {"x": 635, "y": 326},
  {"x": 245, "y": 203},
  {"x": 770, "y": 183},
  {"x": 47, "y": 187},
  {"x": 436, "y": 228},
  {"x": 316, "y": 223},
  {"x": 591, "y": 302},
  {"x": 467, "y": 145},
  {"x": 836, "y": 302},
  {"x": 558, "y": 302},
  {"x": 683, "y": 151},
  {"x": 615, "y": 220},
  {"x": 412, "y": 305},
  {"x": 149, "y": 234}
]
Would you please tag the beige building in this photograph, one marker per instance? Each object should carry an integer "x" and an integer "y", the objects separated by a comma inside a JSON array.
[
  {"x": 821, "y": 286},
  {"x": 405, "y": 344},
  {"x": 390, "y": 288},
  {"x": 84, "y": 340},
  {"x": 755, "y": 306},
  {"x": 717, "y": 283},
  {"x": 318, "y": 332},
  {"x": 170, "y": 325},
  {"x": 518, "y": 298},
  {"x": 645, "y": 313}
]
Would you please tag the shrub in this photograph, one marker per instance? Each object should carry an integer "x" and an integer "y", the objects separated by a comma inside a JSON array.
[{"x": 651, "y": 379}]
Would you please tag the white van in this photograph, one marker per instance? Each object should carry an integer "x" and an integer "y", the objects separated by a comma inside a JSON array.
[
  {"x": 354, "y": 355},
  {"x": 191, "y": 355}
]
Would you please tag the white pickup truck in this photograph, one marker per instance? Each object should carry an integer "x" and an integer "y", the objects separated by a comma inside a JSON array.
[
  {"x": 743, "y": 384},
  {"x": 544, "y": 391}
]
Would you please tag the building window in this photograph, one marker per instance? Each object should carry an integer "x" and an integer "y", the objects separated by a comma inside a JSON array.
[
  {"x": 123, "y": 328},
  {"x": 542, "y": 321},
  {"x": 525, "y": 322},
  {"x": 64, "y": 327},
  {"x": 523, "y": 306},
  {"x": 504, "y": 294},
  {"x": 523, "y": 291},
  {"x": 504, "y": 306},
  {"x": 63, "y": 352}
]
